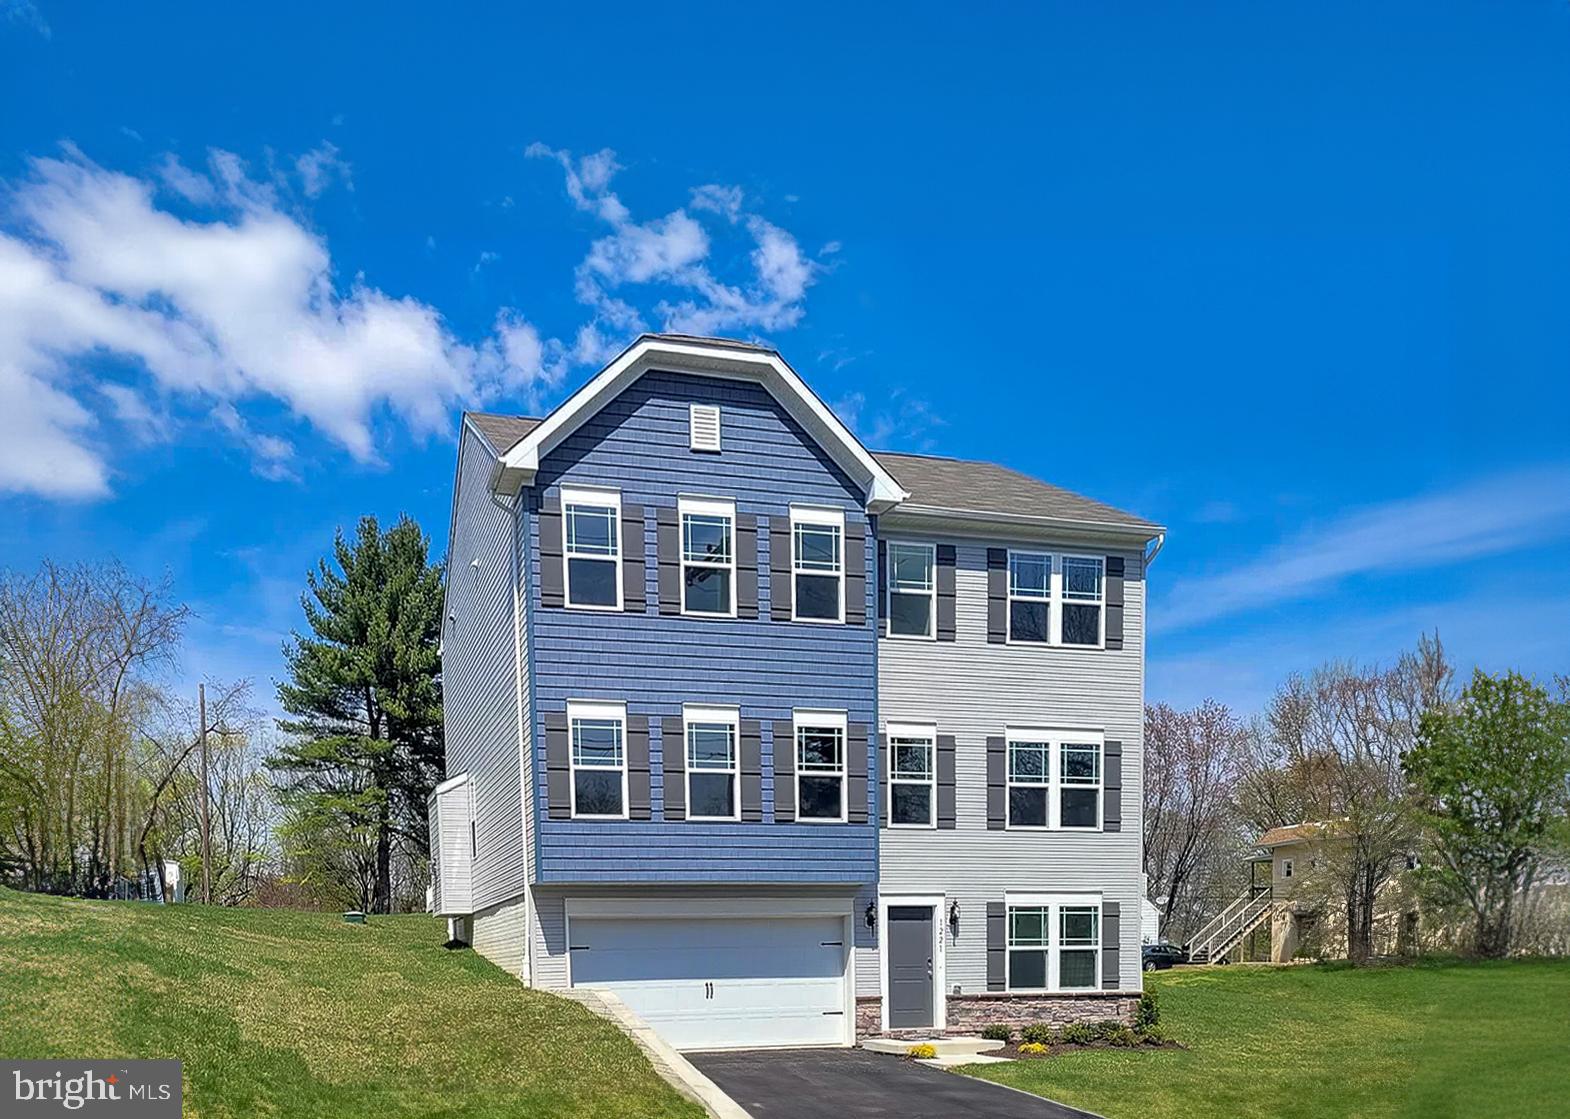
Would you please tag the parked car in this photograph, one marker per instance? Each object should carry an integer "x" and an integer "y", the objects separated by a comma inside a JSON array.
[{"x": 1158, "y": 957}]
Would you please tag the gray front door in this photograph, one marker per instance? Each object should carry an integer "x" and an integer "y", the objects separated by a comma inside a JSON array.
[{"x": 910, "y": 966}]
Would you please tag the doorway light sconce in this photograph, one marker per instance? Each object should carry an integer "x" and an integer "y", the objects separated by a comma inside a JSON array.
[
  {"x": 871, "y": 915},
  {"x": 954, "y": 917}
]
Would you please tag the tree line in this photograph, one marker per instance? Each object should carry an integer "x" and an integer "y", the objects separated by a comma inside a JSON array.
[
  {"x": 100, "y": 781},
  {"x": 1456, "y": 797}
]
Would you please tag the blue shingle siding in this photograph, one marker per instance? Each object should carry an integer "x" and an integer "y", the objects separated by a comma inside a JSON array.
[{"x": 638, "y": 444}]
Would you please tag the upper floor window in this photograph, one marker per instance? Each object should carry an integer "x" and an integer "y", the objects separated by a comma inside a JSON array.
[
  {"x": 913, "y": 589},
  {"x": 1286, "y": 868},
  {"x": 1055, "y": 780},
  {"x": 820, "y": 766},
  {"x": 1030, "y": 596},
  {"x": 818, "y": 564},
  {"x": 711, "y": 763},
  {"x": 912, "y": 775},
  {"x": 708, "y": 557},
  {"x": 592, "y": 553},
  {"x": 597, "y": 736},
  {"x": 1054, "y": 943},
  {"x": 1082, "y": 599}
]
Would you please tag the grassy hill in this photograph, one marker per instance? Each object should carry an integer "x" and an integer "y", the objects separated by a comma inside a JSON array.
[
  {"x": 1430, "y": 1041},
  {"x": 295, "y": 1014}
]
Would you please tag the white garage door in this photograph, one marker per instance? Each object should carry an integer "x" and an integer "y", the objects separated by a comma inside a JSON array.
[{"x": 721, "y": 983}]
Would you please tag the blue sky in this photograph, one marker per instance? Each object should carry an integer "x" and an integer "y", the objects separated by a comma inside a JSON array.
[{"x": 1290, "y": 279}]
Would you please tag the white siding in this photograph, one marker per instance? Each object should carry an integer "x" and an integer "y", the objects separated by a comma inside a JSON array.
[
  {"x": 972, "y": 690},
  {"x": 451, "y": 834},
  {"x": 501, "y": 936}
]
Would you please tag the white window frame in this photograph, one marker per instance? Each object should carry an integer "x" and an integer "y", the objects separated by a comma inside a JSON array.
[
  {"x": 705, "y": 507},
  {"x": 928, "y": 733},
  {"x": 730, "y": 716},
  {"x": 588, "y": 709},
  {"x": 1061, "y": 598},
  {"x": 1286, "y": 869},
  {"x": 1048, "y": 597},
  {"x": 1054, "y": 904},
  {"x": 889, "y": 592},
  {"x": 590, "y": 496},
  {"x": 822, "y": 720},
  {"x": 1055, "y": 740},
  {"x": 833, "y": 518}
]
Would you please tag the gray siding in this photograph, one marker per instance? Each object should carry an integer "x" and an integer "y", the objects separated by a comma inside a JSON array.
[
  {"x": 501, "y": 935},
  {"x": 479, "y": 676},
  {"x": 972, "y": 689}
]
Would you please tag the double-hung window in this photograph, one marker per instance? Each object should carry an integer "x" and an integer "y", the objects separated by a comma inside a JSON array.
[
  {"x": 711, "y": 763},
  {"x": 1055, "y": 780},
  {"x": 1054, "y": 942},
  {"x": 912, "y": 776},
  {"x": 599, "y": 760},
  {"x": 1030, "y": 597},
  {"x": 1083, "y": 591},
  {"x": 913, "y": 589},
  {"x": 591, "y": 538},
  {"x": 820, "y": 765},
  {"x": 708, "y": 557},
  {"x": 818, "y": 564}
]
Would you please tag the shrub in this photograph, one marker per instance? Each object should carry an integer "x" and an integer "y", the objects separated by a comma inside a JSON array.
[
  {"x": 996, "y": 1033},
  {"x": 1148, "y": 1014},
  {"x": 1034, "y": 1049},
  {"x": 1155, "y": 1035},
  {"x": 1118, "y": 1035},
  {"x": 922, "y": 1052},
  {"x": 1079, "y": 1033},
  {"x": 1039, "y": 1032}
]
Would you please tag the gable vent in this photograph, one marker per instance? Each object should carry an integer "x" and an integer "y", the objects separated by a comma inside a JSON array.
[{"x": 705, "y": 427}]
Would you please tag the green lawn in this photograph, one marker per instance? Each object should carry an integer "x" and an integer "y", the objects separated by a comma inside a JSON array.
[
  {"x": 291, "y": 1014},
  {"x": 1432, "y": 1040}
]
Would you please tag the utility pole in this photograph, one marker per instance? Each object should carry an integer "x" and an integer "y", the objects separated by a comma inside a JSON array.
[{"x": 207, "y": 851}]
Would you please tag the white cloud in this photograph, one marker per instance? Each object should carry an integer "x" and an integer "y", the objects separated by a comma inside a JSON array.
[
  {"x": 319, "y": 167},
  {"x": 723, "y": 200},
  {"x": 135, "y": 415},
  {"x": 1490, "y": 517},
  {"x": 240, "y": 306}
]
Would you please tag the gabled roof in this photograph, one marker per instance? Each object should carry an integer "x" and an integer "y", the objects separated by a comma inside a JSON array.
[
  {"x": 715, "y": 357},
  {"x": 1289, "y": 834},
  {"x": 951, "y": 485}
]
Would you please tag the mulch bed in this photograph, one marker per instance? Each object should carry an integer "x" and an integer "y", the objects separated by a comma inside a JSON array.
[{"x": 1011, "y": 1050}]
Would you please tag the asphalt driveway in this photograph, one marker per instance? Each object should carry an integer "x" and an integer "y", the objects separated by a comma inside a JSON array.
[{"x": 855, "y": 1084}]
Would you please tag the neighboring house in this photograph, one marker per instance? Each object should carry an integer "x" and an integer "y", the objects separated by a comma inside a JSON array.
[{"x": 777, "y": 738}]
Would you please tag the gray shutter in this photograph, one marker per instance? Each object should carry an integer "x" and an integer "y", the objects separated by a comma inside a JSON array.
[
  {"x": 856, "y": 738},
  {"x": 784, "y": 771},
  {"x": 997, "y": 946},
  {"x": 558, "y": 768},
  {"x": 751, "y": 770},
  {"x": 1112, "y": 786},
  {"x": 673, "y": 755},
  {"x": 997, "y": 595},
  {"x": 1110, "y": 929},
  {"x": 997, "y": 783},
  {"x": 632, "y": 592},
  {"x": 946, "y": 564},
  {"x": 779, "y": 571},
  {"x": 746, "y": 567},
  {"x": 946, "y": 781},
  {"x": 668, "y": 540},
  {"x": 638, "y": 767},
  {"x": 855, "y": 575},
  {"x": 883, "y": 586},
  {"x": 1114, "y": 602},
  {"x": 885, "y": 805},
  {"x": 552, "y": 588}
]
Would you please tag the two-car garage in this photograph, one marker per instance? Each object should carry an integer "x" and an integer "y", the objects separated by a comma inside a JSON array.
[{"x": 717, "y": 975}]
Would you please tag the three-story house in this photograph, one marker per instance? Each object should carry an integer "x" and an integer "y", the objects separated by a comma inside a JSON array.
[{"x": 733, "y": 706}]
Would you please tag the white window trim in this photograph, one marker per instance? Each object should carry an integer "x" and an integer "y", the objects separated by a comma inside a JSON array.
[
  {"x": 888, "y": 597},
  {"x": 820, "y": 720},
  {"x": 1286, "y": 869},
  {"x": 1053, "y": 903},
  {"x": 590, "y": 495},
  {"x": 929, "y": 732},
  {"x": 577, "y": 709},
  {"x": 731, "y": 716},
  {"x": 1011, "y": 598},
  {"x": 1055, "y": 739},
  {"x": 1058, "y": 585},
  {"x": 705, "y": 507},
  {"x": 807, "y": 515}
]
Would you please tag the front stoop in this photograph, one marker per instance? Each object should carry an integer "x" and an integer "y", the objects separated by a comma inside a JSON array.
[
  {"x": 672, "y": 1067},
  {"x": 951, "y": 1051}
]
